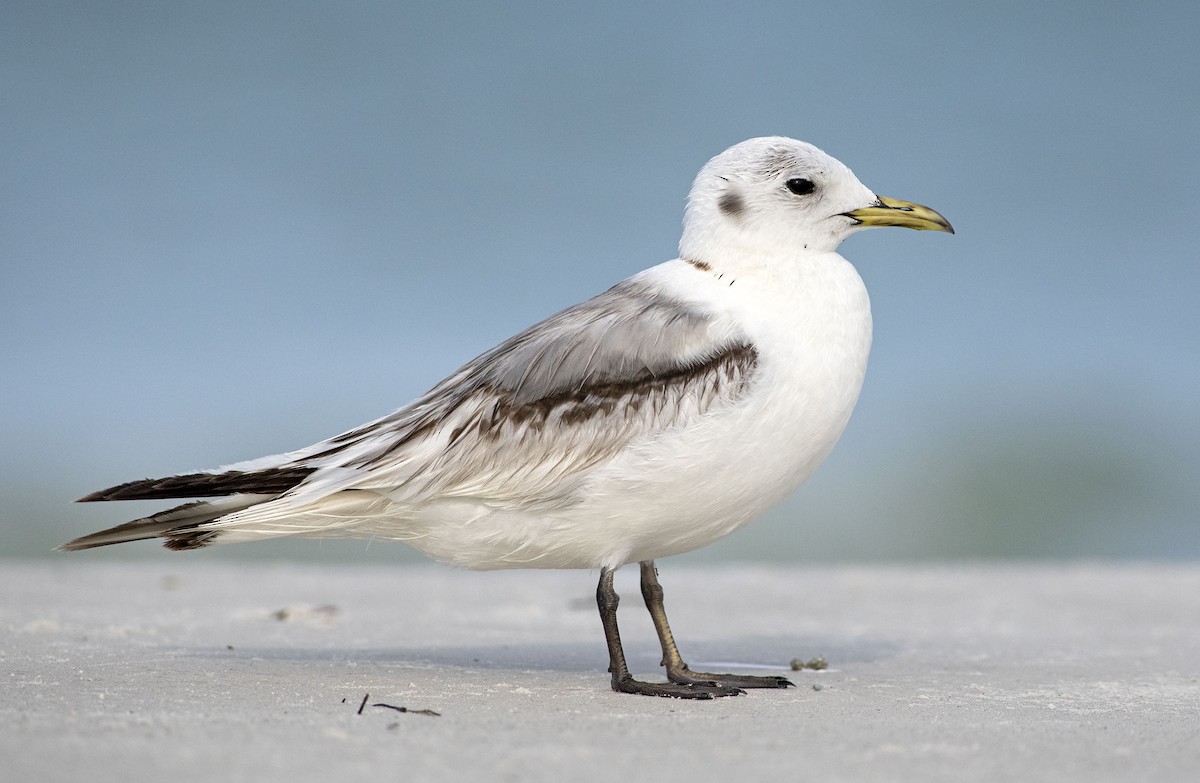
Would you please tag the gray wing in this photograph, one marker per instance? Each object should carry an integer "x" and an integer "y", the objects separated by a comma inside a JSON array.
[{"x": 521, "y": 423}]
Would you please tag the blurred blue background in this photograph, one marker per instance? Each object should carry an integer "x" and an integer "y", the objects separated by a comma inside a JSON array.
[{"x": 233, "y": 229}]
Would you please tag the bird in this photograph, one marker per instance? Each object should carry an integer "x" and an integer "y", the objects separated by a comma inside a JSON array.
[{"x": 650, "y": 420}]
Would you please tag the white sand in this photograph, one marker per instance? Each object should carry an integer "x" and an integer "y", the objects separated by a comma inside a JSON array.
[{"x": 185, "y": 669}]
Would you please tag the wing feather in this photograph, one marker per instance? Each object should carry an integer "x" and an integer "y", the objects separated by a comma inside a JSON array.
[
  {"x": 521, "y": 423},
  {"x": 518, "y": 427},
  {"x": 268, "y": 481}
]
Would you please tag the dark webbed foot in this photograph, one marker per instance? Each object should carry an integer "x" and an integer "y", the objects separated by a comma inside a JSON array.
[
  {"x": 673, "y": 690},
  {"x": 677, "y": 670},
  {"x": 683, "y": 683},
  {"x": 622, "y": 680},
  {"x": 686, "y": 676}
]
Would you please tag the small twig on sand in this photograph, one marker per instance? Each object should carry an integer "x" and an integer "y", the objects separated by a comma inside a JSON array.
[
  {"x": 430, "y": 713},
  {"x": 364, "y": 702}
]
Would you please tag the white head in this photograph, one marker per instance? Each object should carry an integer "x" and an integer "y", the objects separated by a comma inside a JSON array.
[{"x": 774, "y": 195}]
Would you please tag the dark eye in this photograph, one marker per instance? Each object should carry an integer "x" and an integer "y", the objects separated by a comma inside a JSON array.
[{"x": 800, "y": 186}]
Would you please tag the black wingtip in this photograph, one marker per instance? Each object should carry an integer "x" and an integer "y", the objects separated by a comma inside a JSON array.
[
  {"x": 270, "y": 481},
  {"x": 97, "y": 496}
]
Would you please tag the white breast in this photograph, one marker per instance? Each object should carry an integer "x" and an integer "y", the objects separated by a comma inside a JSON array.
[{"x": 811, "y": 326}]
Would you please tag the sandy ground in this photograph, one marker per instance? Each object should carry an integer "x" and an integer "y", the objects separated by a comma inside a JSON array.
[{"x": 191, "y": 669}]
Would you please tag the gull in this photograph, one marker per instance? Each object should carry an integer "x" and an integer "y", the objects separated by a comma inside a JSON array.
[{"x": 650, "y": 420}]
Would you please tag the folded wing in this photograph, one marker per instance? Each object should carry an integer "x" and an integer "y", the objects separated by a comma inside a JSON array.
[{"x": 520, "y": 426}]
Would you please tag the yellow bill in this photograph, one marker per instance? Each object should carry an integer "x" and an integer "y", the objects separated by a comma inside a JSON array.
[{"x": 894, "y": 212}]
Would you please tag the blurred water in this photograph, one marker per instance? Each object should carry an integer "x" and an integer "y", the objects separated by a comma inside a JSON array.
[{"x": 229, "y": 231}]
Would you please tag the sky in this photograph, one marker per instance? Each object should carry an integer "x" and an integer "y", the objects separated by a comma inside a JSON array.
[{"x": 233, "y": 229}]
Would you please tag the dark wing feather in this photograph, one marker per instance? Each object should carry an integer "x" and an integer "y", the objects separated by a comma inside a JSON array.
[
  {"x": 271, "y": 481},
  {"x": 179, "y": 525}
]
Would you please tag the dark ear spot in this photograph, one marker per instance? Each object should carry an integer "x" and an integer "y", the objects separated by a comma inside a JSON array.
[{"x": 732, "y": 204}]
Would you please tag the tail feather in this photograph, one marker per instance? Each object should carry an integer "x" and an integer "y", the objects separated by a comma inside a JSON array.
[
  {"x": 241, "y": 505},
  {"x": 270, "y": 481},
  {"x": 179, "y": 525}
]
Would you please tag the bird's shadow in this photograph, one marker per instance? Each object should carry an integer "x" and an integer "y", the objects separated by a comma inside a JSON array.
[{"x": 741, "y": 654}]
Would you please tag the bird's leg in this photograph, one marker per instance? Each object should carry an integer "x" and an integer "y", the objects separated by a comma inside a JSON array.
[
  {"x": 622, "y": 680},
  {"x": 677, "y": 670}
]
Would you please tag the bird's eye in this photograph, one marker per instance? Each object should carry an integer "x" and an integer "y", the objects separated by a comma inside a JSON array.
[{"x": 800, "y": 186}]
